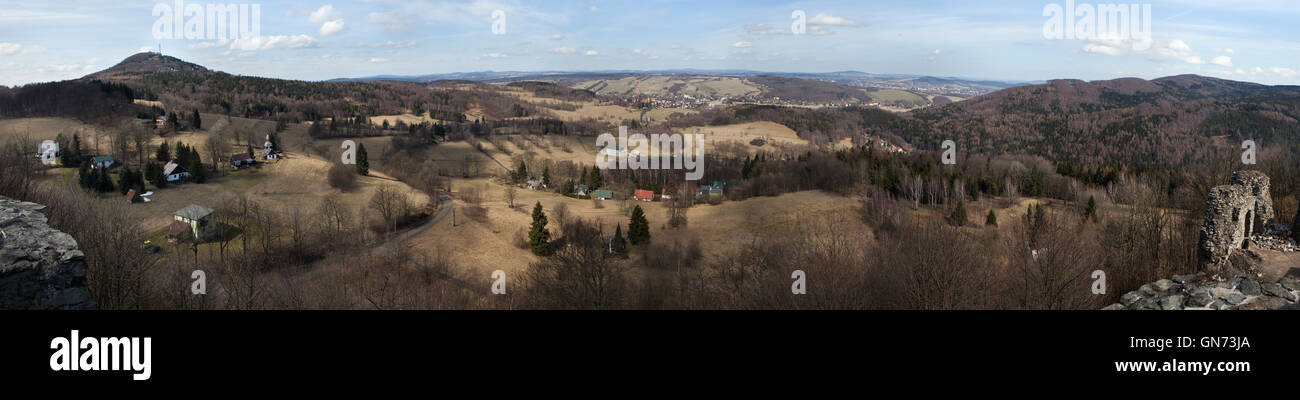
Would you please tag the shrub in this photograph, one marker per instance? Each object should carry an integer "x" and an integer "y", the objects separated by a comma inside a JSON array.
[{"x": 342, "y": 177}]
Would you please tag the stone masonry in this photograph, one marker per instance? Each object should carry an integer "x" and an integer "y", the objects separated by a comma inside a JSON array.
[{"x": 1233, "y": 213}]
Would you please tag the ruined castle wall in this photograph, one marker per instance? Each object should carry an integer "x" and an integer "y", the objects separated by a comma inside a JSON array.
[{"x": 1232, "y": 214}]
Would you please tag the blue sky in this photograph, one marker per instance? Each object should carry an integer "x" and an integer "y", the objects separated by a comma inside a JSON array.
[{"x": 1255, "y": 41}]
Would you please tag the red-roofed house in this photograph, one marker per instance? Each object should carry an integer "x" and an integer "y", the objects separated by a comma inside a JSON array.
[{"x": 644, "y": 195}]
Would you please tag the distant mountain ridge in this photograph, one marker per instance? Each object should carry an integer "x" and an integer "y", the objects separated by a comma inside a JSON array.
[{"x": 927, "y": 84}]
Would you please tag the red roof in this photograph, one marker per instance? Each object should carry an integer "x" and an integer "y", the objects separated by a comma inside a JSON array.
[{"x": 644, "y": 195}]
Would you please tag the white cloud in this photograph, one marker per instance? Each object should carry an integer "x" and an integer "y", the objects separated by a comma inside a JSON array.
[
  {"x": 1109, "y": 50},
  {"x": 331, "y": 27},
  {"x": 593, "y": 9},
  {"x": 379, "y": 60},
  {"x": 273, "y": 42},
  {"x": 9, "y": 49},
  {"x": 741, "y": 44},
  {"x": 209, "y": 45},
  {"x": 495, "y": 55},
  {"x": 325, "y": 13},
  {"x": 592, "y": 53},
  {"x": 644, "y": 53},
  {"x": 936, "y": 52},
  {"x": 1174, "y": 50},
  {"x": 564, "y": 50},
  {"x": 557, "y": 37},
  {"x": 827, "y": 19},
  {"x": 147, "y": 49},
  {"x": 1287, "y": 73},
  {"x": 817, "y": 30}
]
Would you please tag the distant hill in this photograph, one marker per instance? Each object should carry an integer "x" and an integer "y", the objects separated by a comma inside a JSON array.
[
  {"x": 927, "y": 85},
  {"x": 1166, "y": 121},
  {"x": 146, "y": 63}
]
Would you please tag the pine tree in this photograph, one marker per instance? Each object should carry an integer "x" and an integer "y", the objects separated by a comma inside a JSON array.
[
  {"x": 124, "y": 180},
  {"x": 521, "y": 173},
  {"x": 619, "y": 243},
  {"x": 363, "y": 164},
  {"x": 638, "y": 229},
  {"x": 194, "y": 165},
  {"x": 153, "y": 173},
  {"x": 539, "y": 238},
  {"x": 196, "y": 120},
  {"x": 105, "y": 183},
  {"x": 1090, "y": 213},
  {"x": 546, "y": 176},
  {"x": 596, "y": 180},
  {"x": 164, "y": 153},
  {"x": 992, "y": 219},
  {"x": 958, "y": 216},
  {"x": 83, "y": 175},
  {"x": 171, "y": 121},
  {"x": 76, "y": 149}
]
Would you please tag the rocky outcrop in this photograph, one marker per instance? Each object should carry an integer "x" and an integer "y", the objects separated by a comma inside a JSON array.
[
  {"x": 1233, "y": 213},
  {"x": 1237, "y": 291},
  {"x": 40, "y": 267}
]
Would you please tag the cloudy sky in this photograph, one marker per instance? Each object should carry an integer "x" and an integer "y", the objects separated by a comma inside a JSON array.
[{"x": 1255, "y": 41}]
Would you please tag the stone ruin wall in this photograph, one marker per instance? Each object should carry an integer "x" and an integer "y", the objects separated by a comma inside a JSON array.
[{"x": 1233, "y": 213}]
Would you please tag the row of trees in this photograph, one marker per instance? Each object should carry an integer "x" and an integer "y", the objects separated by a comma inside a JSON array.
[{"x": 539, "y": 235}]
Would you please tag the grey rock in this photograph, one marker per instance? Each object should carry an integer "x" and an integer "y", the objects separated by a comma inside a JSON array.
[
  {"x": 1148, "y": 290},
  {"x": 1276, "y": 289},
  {"x": 1200, "y": 298},
  {"x": 1290, "y": 283},
  {"x": 1115, "y": 306},
  {"x": 40, "y": 267},
  {"x": 1264, "y": 303},
  {"x": 1144, "y": 304},
  {"x": 1249, "y": 287},
  {"x": 1174, "y": 302},
  {"x": 1234, "y": 298},
  {"x": 1185, "y": 278},
  {"x": 1131, "y": 297},
  {"x": 1164, "y": 285}
]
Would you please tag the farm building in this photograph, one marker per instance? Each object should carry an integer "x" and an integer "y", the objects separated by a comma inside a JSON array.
[
  {"x": 536, "y": 184},
  {"x": 711, "y": 192},
  {"x": 603, "y": 194},
  {"x": 580, "y": 190},
  {"x": 644, "y": 195},
  {"x": 241, "y": 160},
  {"x": 103, "y": 161},
  {"x": 194, "y": 220},
  {"x": 133, "y": 197},
  {"x": 175, "y": 172}
]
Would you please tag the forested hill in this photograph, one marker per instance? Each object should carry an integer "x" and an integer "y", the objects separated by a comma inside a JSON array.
[
  {"x": 1168, "y": 121},
  {"x": 183, "y": 86}
]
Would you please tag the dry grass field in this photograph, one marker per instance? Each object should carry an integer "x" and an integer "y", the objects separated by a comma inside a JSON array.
[
  {"x": 35, "y": 130},
  {"x": 657, "y": 84}
]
